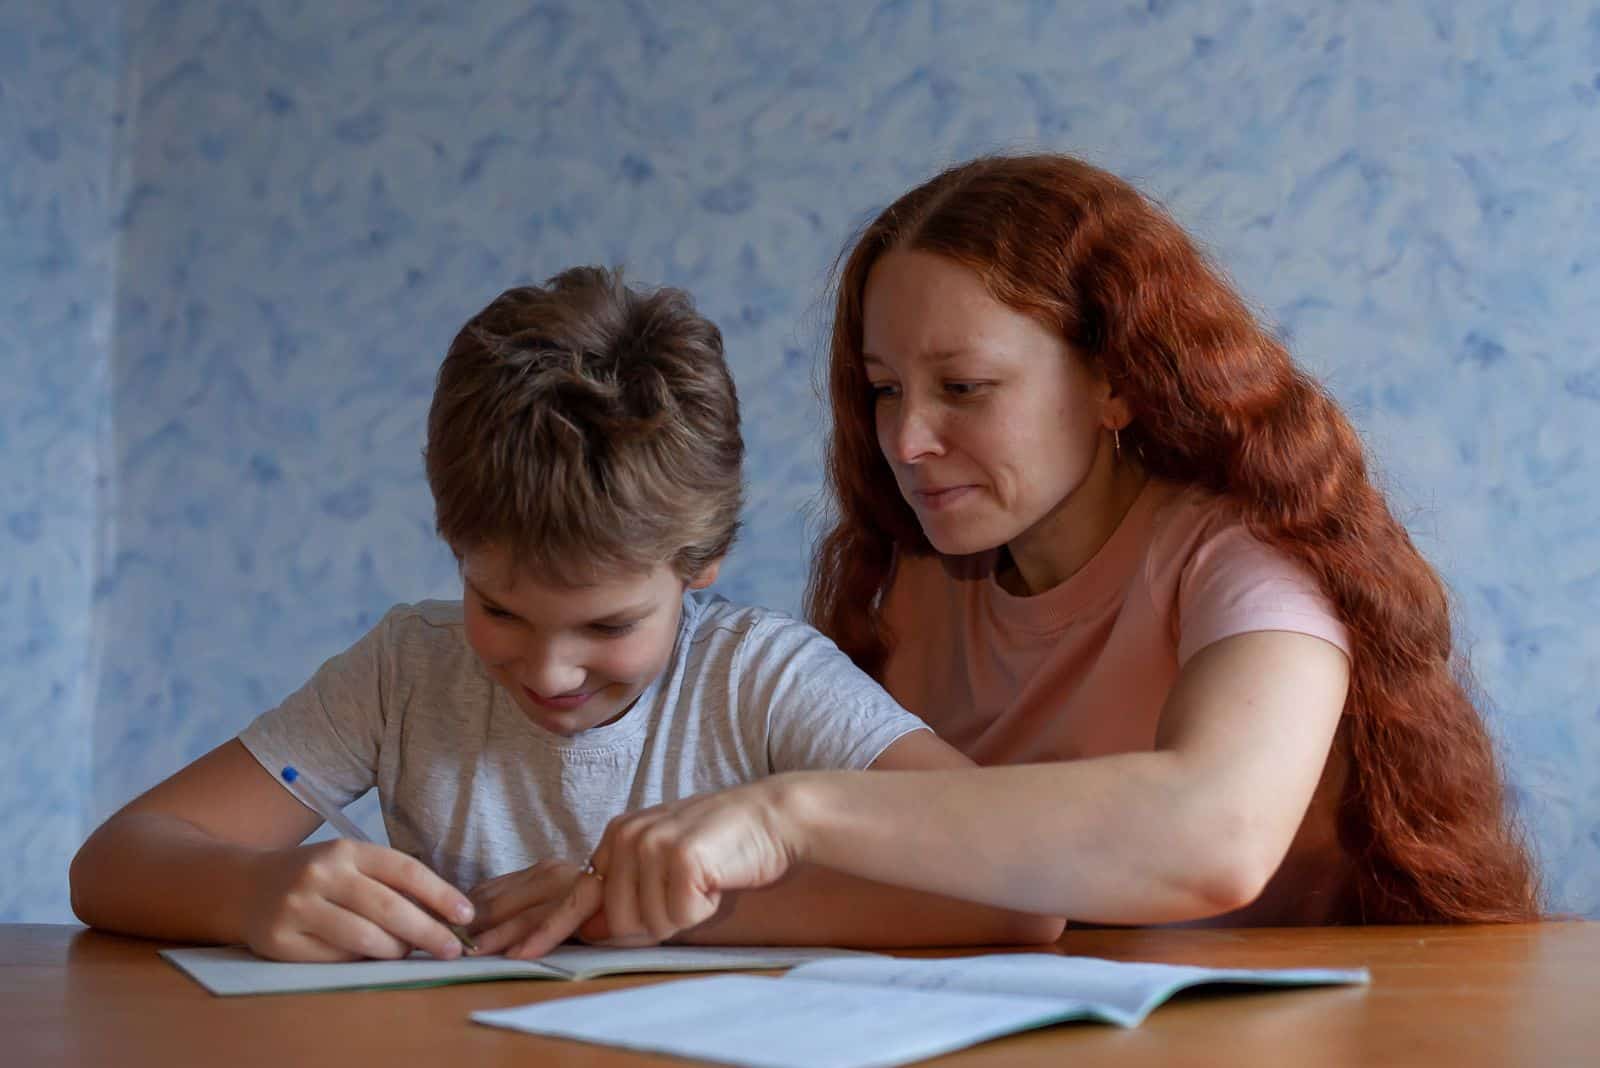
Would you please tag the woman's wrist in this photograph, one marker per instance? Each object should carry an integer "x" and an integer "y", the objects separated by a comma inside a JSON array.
[{"x": 798, "y": 804}]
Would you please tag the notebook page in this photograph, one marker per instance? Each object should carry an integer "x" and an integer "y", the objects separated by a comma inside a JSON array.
[
  {"x": 233, "y": 970},
  {"x": 230, "y": 971},
  {"x": 588, "y": 962},
  {"x": 1120, "y": 992},
  {"x": 764, "y": 1022}
]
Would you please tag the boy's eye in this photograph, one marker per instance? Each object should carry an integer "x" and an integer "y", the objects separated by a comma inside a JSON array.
[
  {"x": 963, "y": 389},
  {"x": 494, "y": 611},
  {"x": 612, "y": 630}
]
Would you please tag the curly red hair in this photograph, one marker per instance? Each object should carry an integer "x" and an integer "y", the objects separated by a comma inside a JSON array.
[{"x": 1218, "y": 403}]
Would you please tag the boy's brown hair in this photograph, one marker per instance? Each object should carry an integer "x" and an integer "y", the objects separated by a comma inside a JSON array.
[{"x": 588, "y": 429}]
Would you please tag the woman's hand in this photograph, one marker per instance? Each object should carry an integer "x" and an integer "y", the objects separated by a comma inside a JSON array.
[
  {"x": 527, "y": 913},
  {"x": 344, "y": 900},
  {"x": 664, "y": 869}
]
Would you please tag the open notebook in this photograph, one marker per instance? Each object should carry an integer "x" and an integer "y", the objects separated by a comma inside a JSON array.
[
  {"x": 230, "y": 970},
  {"x": 873, "y": 1012}
]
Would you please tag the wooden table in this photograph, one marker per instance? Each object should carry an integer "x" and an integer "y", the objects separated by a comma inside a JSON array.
[{"x": 1439, "y": 995}]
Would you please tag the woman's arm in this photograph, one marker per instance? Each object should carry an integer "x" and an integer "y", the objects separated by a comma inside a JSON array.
[
  {"x": 210, "y": 855},
  {"x": 1192, "y": 829},
  {"x": 806, "y": 905},
  {"x": 818, "y": 906}
]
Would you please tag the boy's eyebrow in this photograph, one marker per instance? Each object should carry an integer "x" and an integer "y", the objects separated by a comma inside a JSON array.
[
  {"x": 631, "y": 613},
  {"x": 628, "y": 614},
  {"x": 484, "y": 597}
]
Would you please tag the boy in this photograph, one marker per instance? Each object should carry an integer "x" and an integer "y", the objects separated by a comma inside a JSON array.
[{"x": 584, "y": 457}]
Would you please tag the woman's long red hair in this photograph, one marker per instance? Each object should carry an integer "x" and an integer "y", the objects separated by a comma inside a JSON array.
[{"x": 1216, "y": 403}]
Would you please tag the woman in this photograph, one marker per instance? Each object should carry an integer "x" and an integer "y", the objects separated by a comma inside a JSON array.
[{"x": 1100, "y": 532}]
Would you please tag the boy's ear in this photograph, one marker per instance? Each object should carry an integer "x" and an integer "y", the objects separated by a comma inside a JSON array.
[{"x": 707, "y": 575}]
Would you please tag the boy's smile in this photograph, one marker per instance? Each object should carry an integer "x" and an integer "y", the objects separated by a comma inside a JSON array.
[
  {"x": 562, "y": 703},
  {"x": 572, "y": 657}
]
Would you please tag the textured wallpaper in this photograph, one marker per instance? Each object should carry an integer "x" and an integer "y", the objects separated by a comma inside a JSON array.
[
  {"x": 59, "y": 73},
  {"x": 246, "y": 232}
]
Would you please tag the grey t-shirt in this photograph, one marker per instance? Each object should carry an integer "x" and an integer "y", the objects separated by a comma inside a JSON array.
[{"x": 474, "y": 789}]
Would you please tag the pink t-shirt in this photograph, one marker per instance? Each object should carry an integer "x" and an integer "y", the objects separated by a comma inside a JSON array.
[{"x": 1083, "y": 669}]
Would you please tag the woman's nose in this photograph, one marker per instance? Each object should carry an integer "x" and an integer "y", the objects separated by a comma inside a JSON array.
[{"x": 913, "y": 434}]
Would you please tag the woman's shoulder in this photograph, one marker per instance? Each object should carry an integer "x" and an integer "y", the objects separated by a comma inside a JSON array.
[
  {"x": 1218, "y": 578},
  {"x": 1191, "y": 521},
  {"x": 1186, "y": 511}
]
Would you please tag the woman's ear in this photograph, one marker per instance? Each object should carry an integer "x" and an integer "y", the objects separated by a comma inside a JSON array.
[{"x": 1115, "y": 412}]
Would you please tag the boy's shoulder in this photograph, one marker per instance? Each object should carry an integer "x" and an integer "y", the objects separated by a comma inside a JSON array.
[
  {"x": 429, "y": 629},
  {"x": 423, "y": 617},
  {"x": 706, "y": 613},
  {"x": 422, "y": 647},
  {"x": 713, "y": 624}
]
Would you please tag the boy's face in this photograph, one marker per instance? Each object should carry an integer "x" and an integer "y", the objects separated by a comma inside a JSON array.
[{"x": 572, "y": 658}]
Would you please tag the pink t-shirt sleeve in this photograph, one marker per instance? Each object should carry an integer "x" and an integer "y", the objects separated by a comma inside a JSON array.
[{"x": 1234, "y": 584}]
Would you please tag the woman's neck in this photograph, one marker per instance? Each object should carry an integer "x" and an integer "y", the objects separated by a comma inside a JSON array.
[{"x": 1056, "y": 548}]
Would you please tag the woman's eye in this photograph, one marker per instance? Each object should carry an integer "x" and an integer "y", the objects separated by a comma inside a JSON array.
[
  {"x": 880, "y": 390},
  {"x": 962, "y": 389}
]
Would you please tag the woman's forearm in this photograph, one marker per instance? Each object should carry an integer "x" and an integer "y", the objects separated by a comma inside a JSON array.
[
  {"x": 152, "y": 874},
  {"x": 817, "y": 906},
  {"x": 1134, "y": 838}
]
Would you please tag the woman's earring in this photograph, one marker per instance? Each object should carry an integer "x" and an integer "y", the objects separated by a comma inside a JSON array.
[{"x": 1116, "y": 441}]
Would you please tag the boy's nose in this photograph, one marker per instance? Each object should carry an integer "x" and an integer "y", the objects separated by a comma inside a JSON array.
[{"x": 550, "y": 673}]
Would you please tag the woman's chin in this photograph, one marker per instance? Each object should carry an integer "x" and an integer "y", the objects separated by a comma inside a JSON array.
[{"x": 958, "y": 542}]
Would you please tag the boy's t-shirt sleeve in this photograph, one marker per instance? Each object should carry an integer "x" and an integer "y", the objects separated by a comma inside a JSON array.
[
  {"x": 822, "y": 712},
  {"x": 331, "y": 728}
]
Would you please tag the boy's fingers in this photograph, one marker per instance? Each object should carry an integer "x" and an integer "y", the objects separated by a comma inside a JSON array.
[
  {"x": 352, "y": 932},
  {"x": 559, "y": 923},
  {"x": 509, "y": 933},
  {"x": 595, "y": 929},
  {"x": 299, "y": 946},
  {"x": 530, "y": 889},
  {"x": 398, "y": 916},
  {"x": 419, "y": 883},
  {"x": 310, "y": 948}
]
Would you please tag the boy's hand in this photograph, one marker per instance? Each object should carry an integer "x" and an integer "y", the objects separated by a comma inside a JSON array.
[
  {"x": 527, "y": 913},
  {"x": 344, "y": 900},
  {"x": 664, "y": 869}
]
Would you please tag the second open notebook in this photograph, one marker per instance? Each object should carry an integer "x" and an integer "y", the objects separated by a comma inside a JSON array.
[
  {"x": 876, "y": 1012},
  {"x": 232, "y": 970}
]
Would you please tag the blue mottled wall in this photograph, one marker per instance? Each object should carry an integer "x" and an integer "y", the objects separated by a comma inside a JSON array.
[
  {"x": 59, "y": 72},
  {"x": 249, "y": 230}
]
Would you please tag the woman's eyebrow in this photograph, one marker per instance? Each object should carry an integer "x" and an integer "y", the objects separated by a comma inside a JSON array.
[{"x": 938, "y": 356}]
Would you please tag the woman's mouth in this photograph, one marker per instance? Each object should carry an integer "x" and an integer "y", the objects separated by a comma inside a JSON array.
[{"x": 937, "y": 498}]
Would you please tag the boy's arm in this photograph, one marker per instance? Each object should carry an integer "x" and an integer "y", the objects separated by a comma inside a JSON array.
[
  {"x": 820, "y": 906},
  {"x": 177, "y": 862},
  {"x": 209, "y": 856}
]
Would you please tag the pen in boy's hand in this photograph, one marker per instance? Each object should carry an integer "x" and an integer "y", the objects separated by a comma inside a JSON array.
[{"x": 336, "y": 819}]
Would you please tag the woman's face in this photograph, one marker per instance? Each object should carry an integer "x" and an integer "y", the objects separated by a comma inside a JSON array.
[{"x": 988, "y": 419}]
